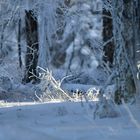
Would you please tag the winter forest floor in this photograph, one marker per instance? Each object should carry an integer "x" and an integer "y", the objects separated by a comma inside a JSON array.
[
  {"x": 66, "y": 121},
  {"x": 23, "y": 118}
]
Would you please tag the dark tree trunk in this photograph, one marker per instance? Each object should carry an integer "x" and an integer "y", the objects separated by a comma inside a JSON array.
[
  {"x": 31, "y": 59},
  {"x": 131, "y": 38},
  {"x": 107, "y": 35},
  {"x": 19, "y": 43}
]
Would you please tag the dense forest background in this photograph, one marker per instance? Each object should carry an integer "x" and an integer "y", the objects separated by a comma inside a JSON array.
[{"x": 59, "y": 47}]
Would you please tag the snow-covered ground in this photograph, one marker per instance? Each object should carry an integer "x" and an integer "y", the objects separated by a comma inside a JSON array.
[{"x": 66, "y": 121}]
